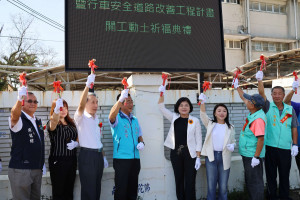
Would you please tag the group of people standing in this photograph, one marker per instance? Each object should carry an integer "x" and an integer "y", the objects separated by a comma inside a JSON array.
[{"x": 269, "y": 136}]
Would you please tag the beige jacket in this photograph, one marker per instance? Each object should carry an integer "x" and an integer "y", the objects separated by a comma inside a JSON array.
[
  {"x": 194, "y": 136},
  {"x": 208, "y": 149}
]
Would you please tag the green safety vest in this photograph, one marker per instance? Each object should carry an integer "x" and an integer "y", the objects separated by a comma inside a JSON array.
[
  {"x": 279, "y": 133},
  {"x": 248, "y": 141}
]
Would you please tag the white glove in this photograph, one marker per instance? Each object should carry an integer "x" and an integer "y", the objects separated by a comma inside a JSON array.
[
  {"x": 0, "y": 167},
  {"x": 202, "y": 98},
  {"x": 254, "y": 162},
  {"x": 162, "y": 89},
  {"x": 197, "y": 164},
  {"x": 259, "y": 75},
  {"x": 105, "y": 162},
  {"x": 44, "y": 169},
  {"x": 294, "y": 150},
  {"x": 124, "y": 95},
  {"x": 59, "y": 104},
  {"x": 230, "y": 147},
  {"x": 295, "y": 85},
  {"x": 22, "y": 91},
  {"x": 140, "y": 146},
  {"x": 73, "y": 144},
  {"x": 235, "y": 83},
  {"x": 90, "y": 80}
]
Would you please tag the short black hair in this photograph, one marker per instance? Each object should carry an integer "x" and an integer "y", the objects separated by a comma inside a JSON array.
[
  {"x": 91, "y": 94},
  {"x": 179, "y": 101},
  {"x": 278, "y": 87},
  {"x": 118, "y": 97}
]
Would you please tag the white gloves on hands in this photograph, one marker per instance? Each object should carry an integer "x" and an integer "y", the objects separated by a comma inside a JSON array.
[
  {"x": 235, "y": 83},
  {"x": 124, "y": 95},
  {"x": 22, "y": 92},
  {"x": 295, "y": 85},
  {"x": 197, "y": 164},
  {"x": 140, "y": 146},
  {"x": 59, "y": 104},
  {"x": 162, "y": 89},
  {"x": 202, "y": 98},
  {"x": 295, "y": 150},
  {"x": 230, "y": 147},
  {"x": 105, "y": 162},
  {"x": 44, "y": 169},
  {"x": 254, "y": 162},
  {"x": 259, "y": 75},
  {"x": 73, "y": 144},
  {"x": 90, "y": 80}
]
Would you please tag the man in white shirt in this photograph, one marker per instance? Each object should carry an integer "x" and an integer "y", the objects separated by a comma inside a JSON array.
[
  {"x": 91, "y": 160},
  {"x": 27, "y": 151}
]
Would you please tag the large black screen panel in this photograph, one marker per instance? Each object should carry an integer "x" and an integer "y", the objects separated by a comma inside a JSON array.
[{"x": 145, "y": 35}]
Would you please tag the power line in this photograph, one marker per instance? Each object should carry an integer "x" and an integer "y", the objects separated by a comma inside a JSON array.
[
  {"x": 36, "y": 17},
  {"x": 31, "y": 39},
  {"x": 36, "y": 12}
]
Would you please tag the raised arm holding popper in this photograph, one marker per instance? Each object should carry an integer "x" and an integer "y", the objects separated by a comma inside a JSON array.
[
  {"x": 206, "y": 86},
  {"x": 93, "y": 67},
  {"x": 58, "y": 89},
  {"x": 296, "y": 79},
  {"x": 164, "y": 77},
  {"x": 237, "y": 73},
  {"x": 23, "y": 82}
]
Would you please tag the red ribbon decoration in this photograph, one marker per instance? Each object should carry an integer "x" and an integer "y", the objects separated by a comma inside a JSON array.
[
  {"x": 164, "y": 76},
  {"x": 263, "y": 62},
  {"x": 296, "y": 78},
  {"x": 247, "y": 121},
  {"x": 237, "y": 73},
  {"x": 23, "y": 82},
  {"x": 58, "y": 89},
  {"x": 124, "y": 82},
  {"x": 93, "y": 67},
  {"x": 285, "y": 117},
  {"x": 206, "y": 86}
]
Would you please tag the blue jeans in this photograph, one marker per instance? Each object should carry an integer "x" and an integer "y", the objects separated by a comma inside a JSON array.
[{"x": 216, "y": 175}]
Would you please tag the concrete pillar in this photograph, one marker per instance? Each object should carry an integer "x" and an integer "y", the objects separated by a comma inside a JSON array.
[{"x": 155, "y": 171}]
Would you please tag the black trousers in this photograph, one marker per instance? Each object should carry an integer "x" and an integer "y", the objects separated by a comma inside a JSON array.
[
  {"x": 280, "y": 159},
  {"x": 185, "y": 174},
  {"x": 62, "y": 175},
  {"x": 126, "y": 178},
  {"x": 297, "y": 158},
  {"x": 254, "y": 178},
  {"x": 91, "y": 166}
]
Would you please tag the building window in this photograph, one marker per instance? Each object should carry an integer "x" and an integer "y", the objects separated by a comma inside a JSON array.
[
  {"x": 266, "y": 7},
  {"x": 270, "y": 46},
  {"x": 231, "y": 1},
  {"x": 232, "y": 44}
]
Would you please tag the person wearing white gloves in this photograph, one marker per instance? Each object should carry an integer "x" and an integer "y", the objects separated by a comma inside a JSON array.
[
  {"x": 63, "y": 155},
  {"x": 281, "y": 139},
  {"x": 185, "y": 141},
  {"x": 28, "y": 149},
  {"x": 251, "y": 143},
  {"x": 217, "y": 148},
  {"x": 128, "y": 142},
  {"x": 91, "y": 159}
]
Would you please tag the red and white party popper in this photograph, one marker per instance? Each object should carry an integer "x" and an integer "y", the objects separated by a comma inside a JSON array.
[
  {"x": 23, "y": 82},
  {"x": 93, "y": 67}
]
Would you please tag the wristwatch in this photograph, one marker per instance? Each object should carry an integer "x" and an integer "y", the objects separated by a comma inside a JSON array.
[{"x": 257, "y": 157}]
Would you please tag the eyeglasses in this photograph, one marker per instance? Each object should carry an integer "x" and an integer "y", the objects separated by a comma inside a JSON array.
[{"x": 30, "y": 101}]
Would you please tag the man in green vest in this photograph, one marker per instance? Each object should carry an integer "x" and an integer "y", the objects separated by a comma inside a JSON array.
[
  {"x": 251, "y": 143},
  {"x": 280, "y": 140}
]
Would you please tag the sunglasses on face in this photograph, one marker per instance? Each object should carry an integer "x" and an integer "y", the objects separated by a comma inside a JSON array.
[{"x": 31, "y": 101}]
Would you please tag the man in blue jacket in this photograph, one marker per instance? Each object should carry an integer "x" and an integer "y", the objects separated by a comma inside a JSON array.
[{"x": 127, "y": 140}]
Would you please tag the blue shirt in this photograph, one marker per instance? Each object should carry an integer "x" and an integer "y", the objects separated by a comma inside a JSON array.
[{"x": 113, "y": 125}]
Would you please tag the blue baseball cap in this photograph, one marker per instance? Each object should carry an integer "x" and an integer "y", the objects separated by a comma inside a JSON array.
[{"x": 255, "y": 99}]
